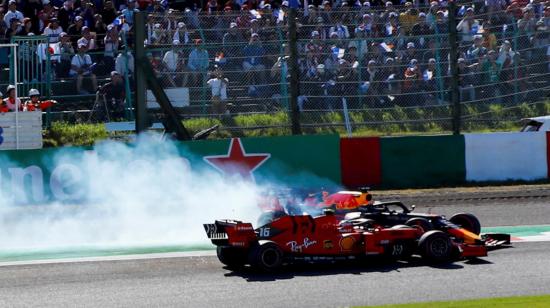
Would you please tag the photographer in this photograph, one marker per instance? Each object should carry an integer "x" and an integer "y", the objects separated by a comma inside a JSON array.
[
  {"x": 82, "y": 66},
  {"x": 115, "y": 94}
]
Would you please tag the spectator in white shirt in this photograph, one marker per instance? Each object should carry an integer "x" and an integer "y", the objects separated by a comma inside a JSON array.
[
  {"x": 53, "y": 31},
  {"x": 12, "y": 13},
  {"x": 173, "y": 62},
  {"x": 218, "y": 85},
  {"x": 182, "y": 34},
  {"x": 82, "y": 66},
  {"x": 87, "y": 39},
  {"x": 124, "y": 63}
]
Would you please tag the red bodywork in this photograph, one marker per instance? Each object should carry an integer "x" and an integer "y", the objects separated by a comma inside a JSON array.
[{"x": 303, "y": 235}]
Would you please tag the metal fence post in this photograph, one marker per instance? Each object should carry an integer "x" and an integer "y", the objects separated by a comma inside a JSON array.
[
  {"x": 453, "y": 62},
  {"x": 294, "y": 73},
  {"x": 141, "y": 83}
]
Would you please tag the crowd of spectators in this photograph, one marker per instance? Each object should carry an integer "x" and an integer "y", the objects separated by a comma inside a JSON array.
[{"x": 373, "y": 53}]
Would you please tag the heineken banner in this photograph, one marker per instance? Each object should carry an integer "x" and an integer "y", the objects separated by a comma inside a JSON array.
[{"x": 65, "y": 174}]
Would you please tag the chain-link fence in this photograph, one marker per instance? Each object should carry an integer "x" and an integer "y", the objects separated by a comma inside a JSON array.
[
  {"x": 377, "y": 69},
  {"x": 360, "y": 69}
]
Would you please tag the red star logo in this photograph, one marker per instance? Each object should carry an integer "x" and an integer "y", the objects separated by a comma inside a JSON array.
[{"x": 237, "y": 161}]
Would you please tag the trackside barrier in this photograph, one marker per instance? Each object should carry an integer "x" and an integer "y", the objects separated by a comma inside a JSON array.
[{"x": 37, "y": 176}]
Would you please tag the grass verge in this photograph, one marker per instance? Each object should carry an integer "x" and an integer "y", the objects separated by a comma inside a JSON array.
[{"x": 516, "y": 301}]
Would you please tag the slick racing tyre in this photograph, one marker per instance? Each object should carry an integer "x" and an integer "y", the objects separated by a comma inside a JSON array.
[
  {"x": 231, "y": 256},
  {"x": 421, "y": 223},
  {"x": 467, "y": 221},
  {"x": 436, "y": 247},
  {"x": 266, "y": 257}
]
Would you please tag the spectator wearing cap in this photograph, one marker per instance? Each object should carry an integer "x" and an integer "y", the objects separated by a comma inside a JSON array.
[
  {"x": 440, "y": 24},
  {"x": 408, "y": 18},
  {"x": 218, "y": 85},
  {"x": 231, "y": 42},
  {"x": 108, "y": 12},
  {"x": 254, "y": 27},
  {"x": 82, "y": 66},
  {"x": 65, "y": 52},
  {"x": 111, "y": 43},
  {"x": 409, "y": 54},
  {"x": 373, "y": 76},
  {"x": 198, "y": 63},
  {"x": 315, "y": 45},
  {"x": 506, "y": 55},
  {"x": 182, "y": 34},
  {"x": 53, "y": 31},
  {"x": 429, "y": 78},
  {"x": 391, "y": 28},
  {"x": 159, "y": 35},
  {"x": 99, "y": 27},
  {"x": 75, "y": 29},
  {"x": 66, "y": 14},
  {"x": 129, "y": 11},
  {"x": 308, "y": 65},
  {"x": 87, "y": 39},
  {"x": 360, "y": 43},
  {"x": 253, "y": 63},
  {"x": 526, "y": 28},
  {"x": 422, "y": 31},
  {"x": 173, "y": 62},
  {"x": 491, "y": 72},
  {"x": 411, "y": 84},
  {"x": 12, "y": 13},
  {"x": 540, "y": 42},
  {"x": 388, "y": 12},
  {"x": 466, "y": 80},
  {"x": 340, "y": 29},
  {"x": 431, "y": 16},
  {"x": 311, "y": 17},
  {"x": 87, "y": 10},
  {"x": 366, "y": 27},
  {"x": 468, "y": 27},
  {"x": 321, "y": 28},
  {"x": 477, "y": 51}
]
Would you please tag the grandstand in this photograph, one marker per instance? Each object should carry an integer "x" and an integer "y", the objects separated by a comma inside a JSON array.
[{"x": 232, "y": 57}]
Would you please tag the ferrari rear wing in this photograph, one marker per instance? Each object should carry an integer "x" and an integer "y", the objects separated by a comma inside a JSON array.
[{"x": 230, "y": 232}]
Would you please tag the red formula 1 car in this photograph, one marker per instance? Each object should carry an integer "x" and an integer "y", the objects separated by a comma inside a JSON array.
[{"x": 295, "y": 238}]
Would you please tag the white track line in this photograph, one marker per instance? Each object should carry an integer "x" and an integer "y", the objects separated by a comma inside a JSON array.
[{"x": 202, "y": 253}]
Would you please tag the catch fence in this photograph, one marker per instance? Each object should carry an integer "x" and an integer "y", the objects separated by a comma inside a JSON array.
[{"x": 360, "y": 69}]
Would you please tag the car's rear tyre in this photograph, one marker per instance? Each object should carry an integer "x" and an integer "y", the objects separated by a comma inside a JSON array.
[
  {"x": 267, "y": 256},
  {"x": 421, "y": 223},
  {"x": 231, "y": 256},
  {"x": 467, "y": 221},
  {"x": 436, "y": 247}
]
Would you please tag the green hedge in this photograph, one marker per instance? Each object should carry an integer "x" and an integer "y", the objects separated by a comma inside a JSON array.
[{"x": 380, "y": 122}]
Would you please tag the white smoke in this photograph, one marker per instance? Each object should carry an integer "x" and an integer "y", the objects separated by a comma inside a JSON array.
[{"x": 143, "y": 194}]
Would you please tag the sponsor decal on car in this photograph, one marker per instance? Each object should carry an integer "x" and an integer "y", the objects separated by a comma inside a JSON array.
[
  {"x": 295, "y": 247},
  {"x": 346, "y": 243}
]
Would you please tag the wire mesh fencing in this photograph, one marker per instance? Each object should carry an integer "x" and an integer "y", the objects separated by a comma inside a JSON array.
[
  {"x": 363, "y": 67},
  {"x": 360, "y": 69}
]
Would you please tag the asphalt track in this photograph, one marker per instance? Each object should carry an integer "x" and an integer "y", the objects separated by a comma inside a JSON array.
[{"x": 203, "y": 282}]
